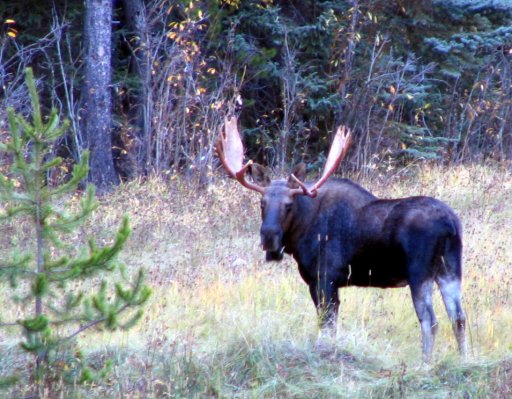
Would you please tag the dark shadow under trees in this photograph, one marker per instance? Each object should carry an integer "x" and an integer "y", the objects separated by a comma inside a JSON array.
[{"x": 419, "y": 81}]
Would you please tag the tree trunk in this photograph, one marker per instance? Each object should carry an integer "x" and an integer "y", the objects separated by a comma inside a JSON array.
[
  {"x": 97, "y": 112},
  {"x": 135, "y": 13}
]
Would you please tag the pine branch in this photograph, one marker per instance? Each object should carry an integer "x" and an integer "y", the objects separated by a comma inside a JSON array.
[{"x": 92, "y": 324}]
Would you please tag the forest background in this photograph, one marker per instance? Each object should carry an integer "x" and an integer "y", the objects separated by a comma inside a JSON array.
[{"x": 414, "y": 80}]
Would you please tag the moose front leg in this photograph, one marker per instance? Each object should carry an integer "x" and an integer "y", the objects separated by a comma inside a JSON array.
[{"x": 325, "y": 296}]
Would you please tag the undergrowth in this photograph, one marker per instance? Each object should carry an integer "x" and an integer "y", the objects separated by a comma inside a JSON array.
[{"x": 223, "y": 323}]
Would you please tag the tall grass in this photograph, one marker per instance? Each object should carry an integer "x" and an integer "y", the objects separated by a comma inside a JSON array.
[{"x": 223, "y": 323}]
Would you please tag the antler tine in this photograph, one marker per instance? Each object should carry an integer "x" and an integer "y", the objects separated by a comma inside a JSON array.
[
  {"x": 231, "y": 153},
  {"x": 338, "y": 150}
]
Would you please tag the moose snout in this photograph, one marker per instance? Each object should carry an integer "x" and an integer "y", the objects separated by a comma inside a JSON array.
[{"x": 271, "y": 238}]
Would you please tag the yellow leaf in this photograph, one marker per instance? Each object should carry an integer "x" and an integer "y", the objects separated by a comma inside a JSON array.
[
  {"x": 9, "y": 21},
  {"x": 392, "y": 90},
  {"x": 12, "y": 33}
]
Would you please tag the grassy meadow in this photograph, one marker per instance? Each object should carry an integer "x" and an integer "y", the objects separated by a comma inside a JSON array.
[{"x": 222, "y": 323}]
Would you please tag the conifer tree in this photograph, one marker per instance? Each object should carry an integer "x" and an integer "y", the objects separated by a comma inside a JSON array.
[{"x": 44, "y": 269}]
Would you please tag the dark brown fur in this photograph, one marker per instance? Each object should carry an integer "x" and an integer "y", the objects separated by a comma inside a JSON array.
[{"x": 346, "y": 236}]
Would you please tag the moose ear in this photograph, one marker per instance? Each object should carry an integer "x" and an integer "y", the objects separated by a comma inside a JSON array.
[
  {"x": 260, "y": 174},
  {"x": 300, "y": 173}
]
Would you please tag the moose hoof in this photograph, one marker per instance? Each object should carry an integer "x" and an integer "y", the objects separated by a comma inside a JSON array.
[{"x": 326, "y": 336}]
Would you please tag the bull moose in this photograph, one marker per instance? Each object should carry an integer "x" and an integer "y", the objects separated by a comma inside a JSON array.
[{"x": 342, "y": 235}]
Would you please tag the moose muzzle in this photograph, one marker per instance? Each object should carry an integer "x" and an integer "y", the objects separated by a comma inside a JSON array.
[{"x": 271, "y": 241}]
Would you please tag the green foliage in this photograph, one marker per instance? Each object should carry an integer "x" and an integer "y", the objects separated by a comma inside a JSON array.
[
  {"x": 467, "y": 41},
  {"x": 301, "y": 68},
  {"x": 395, "y": 72},
  {"x": 56, "y": 311}
]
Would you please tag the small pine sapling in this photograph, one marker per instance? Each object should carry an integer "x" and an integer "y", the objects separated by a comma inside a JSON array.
[{"x": 50, "y": 279}]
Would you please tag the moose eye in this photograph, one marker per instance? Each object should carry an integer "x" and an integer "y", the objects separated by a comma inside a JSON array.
[{"x": 287, "y": 208}]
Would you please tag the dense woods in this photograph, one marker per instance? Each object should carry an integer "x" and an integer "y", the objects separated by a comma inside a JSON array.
[{"x": 428, "y": 80}]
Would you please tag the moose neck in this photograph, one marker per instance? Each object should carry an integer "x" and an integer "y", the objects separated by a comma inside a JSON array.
[
  {"x": 337, "y": 193},
  {"x": 304, "y": 211}
]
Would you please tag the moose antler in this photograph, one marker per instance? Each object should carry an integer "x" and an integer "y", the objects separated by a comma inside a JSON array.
[
  {"x": 231, "y": 153},
  {"x": 337, "y": 152}
]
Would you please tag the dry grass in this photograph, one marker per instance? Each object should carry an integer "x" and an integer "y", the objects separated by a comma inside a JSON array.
[{"x": 223, "y": 323}]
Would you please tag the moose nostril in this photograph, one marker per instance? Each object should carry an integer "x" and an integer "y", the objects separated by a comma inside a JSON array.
[{"x": 267, "y": 237}]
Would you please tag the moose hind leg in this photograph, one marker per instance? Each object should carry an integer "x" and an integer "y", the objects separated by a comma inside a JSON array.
[
  {"x": 422, "y": 299},
  {"x": 450, "y": 288},
  {"x": 449, "y": 282}
]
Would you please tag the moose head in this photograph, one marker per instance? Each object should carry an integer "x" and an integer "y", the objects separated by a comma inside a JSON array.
[{"x": 277, "y": 196}]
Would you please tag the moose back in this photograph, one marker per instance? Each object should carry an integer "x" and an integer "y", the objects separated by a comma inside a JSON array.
[{"x": 342, "y": 235}]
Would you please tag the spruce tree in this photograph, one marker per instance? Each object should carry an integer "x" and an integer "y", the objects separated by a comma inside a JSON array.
[{"x": 45, "y": 267}]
